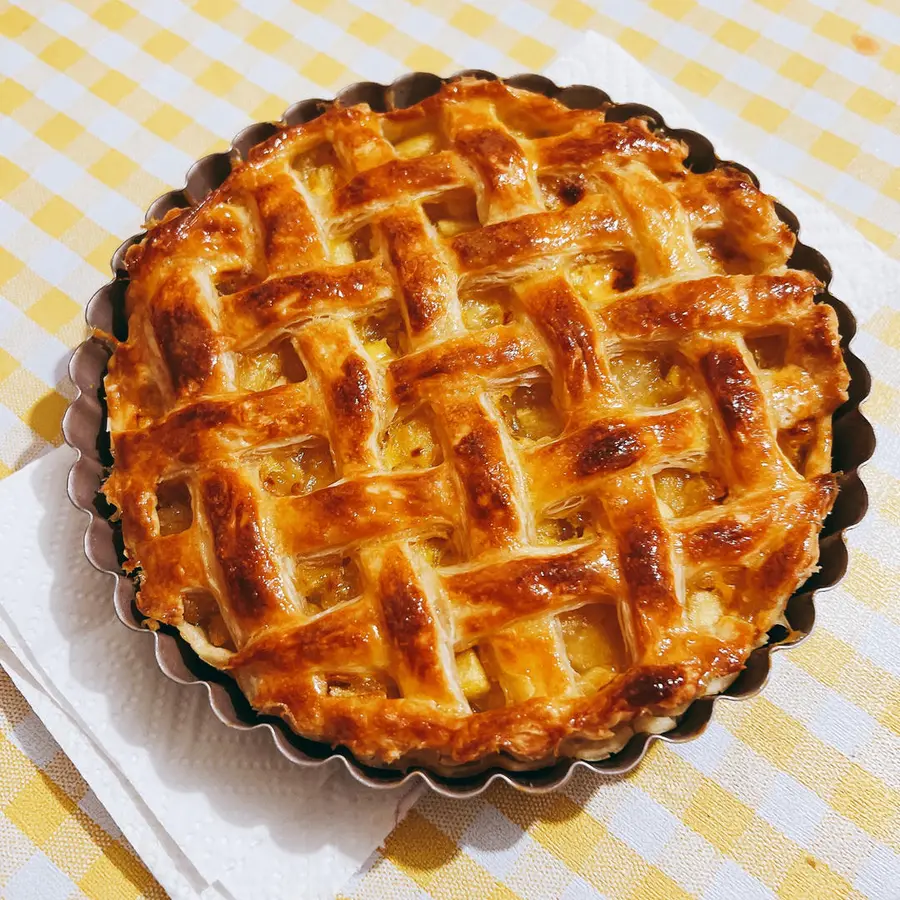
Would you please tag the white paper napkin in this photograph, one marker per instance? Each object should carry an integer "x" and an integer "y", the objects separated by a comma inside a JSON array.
[{"x": 212, "y": 811}]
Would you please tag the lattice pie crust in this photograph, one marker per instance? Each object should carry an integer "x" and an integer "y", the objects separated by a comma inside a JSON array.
[{"x": 482, "y": 431}]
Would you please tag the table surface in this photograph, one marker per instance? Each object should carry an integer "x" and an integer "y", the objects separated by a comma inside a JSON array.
[{"x": 107, "y": 102}]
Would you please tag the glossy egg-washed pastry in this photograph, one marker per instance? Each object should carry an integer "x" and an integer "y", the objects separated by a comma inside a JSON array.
[{"x": 482, "y": 431}]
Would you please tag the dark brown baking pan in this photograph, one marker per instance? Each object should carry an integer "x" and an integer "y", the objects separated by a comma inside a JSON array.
[{"x": 84, "y": 428}]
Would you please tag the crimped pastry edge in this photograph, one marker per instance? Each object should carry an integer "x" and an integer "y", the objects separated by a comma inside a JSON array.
[{"x": 84, "y": 430}]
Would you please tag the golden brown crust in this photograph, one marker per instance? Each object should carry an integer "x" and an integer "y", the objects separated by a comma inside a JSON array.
[{"x": 480, "y": 427}]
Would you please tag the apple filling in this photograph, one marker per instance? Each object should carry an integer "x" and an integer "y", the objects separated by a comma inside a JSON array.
[
  {"x": 684, "y": 493},
  {"x": 454, "y": 212},
  {"x": 298, "y": 469},
  {"x": 594, "y": 643},
  {"x": 277, "y": 364},
  {"x": 202, "y": 610},
  {"x": 173, "y": 507},
  {"x": 327, "y": 583},
  {"x": 651, "y": 379},
  {"x": 529, "y": 412},
  {"x": 411, "y": 443}
]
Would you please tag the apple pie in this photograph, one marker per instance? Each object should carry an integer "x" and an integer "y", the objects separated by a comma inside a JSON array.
[{"x": 480, "y": 432}]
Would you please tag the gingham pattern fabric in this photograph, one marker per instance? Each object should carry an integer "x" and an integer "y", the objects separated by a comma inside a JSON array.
[
  {"x": 56, "y": 840},
  {"x": 106, "y": 104}
]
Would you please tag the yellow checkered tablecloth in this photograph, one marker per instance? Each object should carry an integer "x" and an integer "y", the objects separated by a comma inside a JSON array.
[{"x": 107, "y": 102}]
